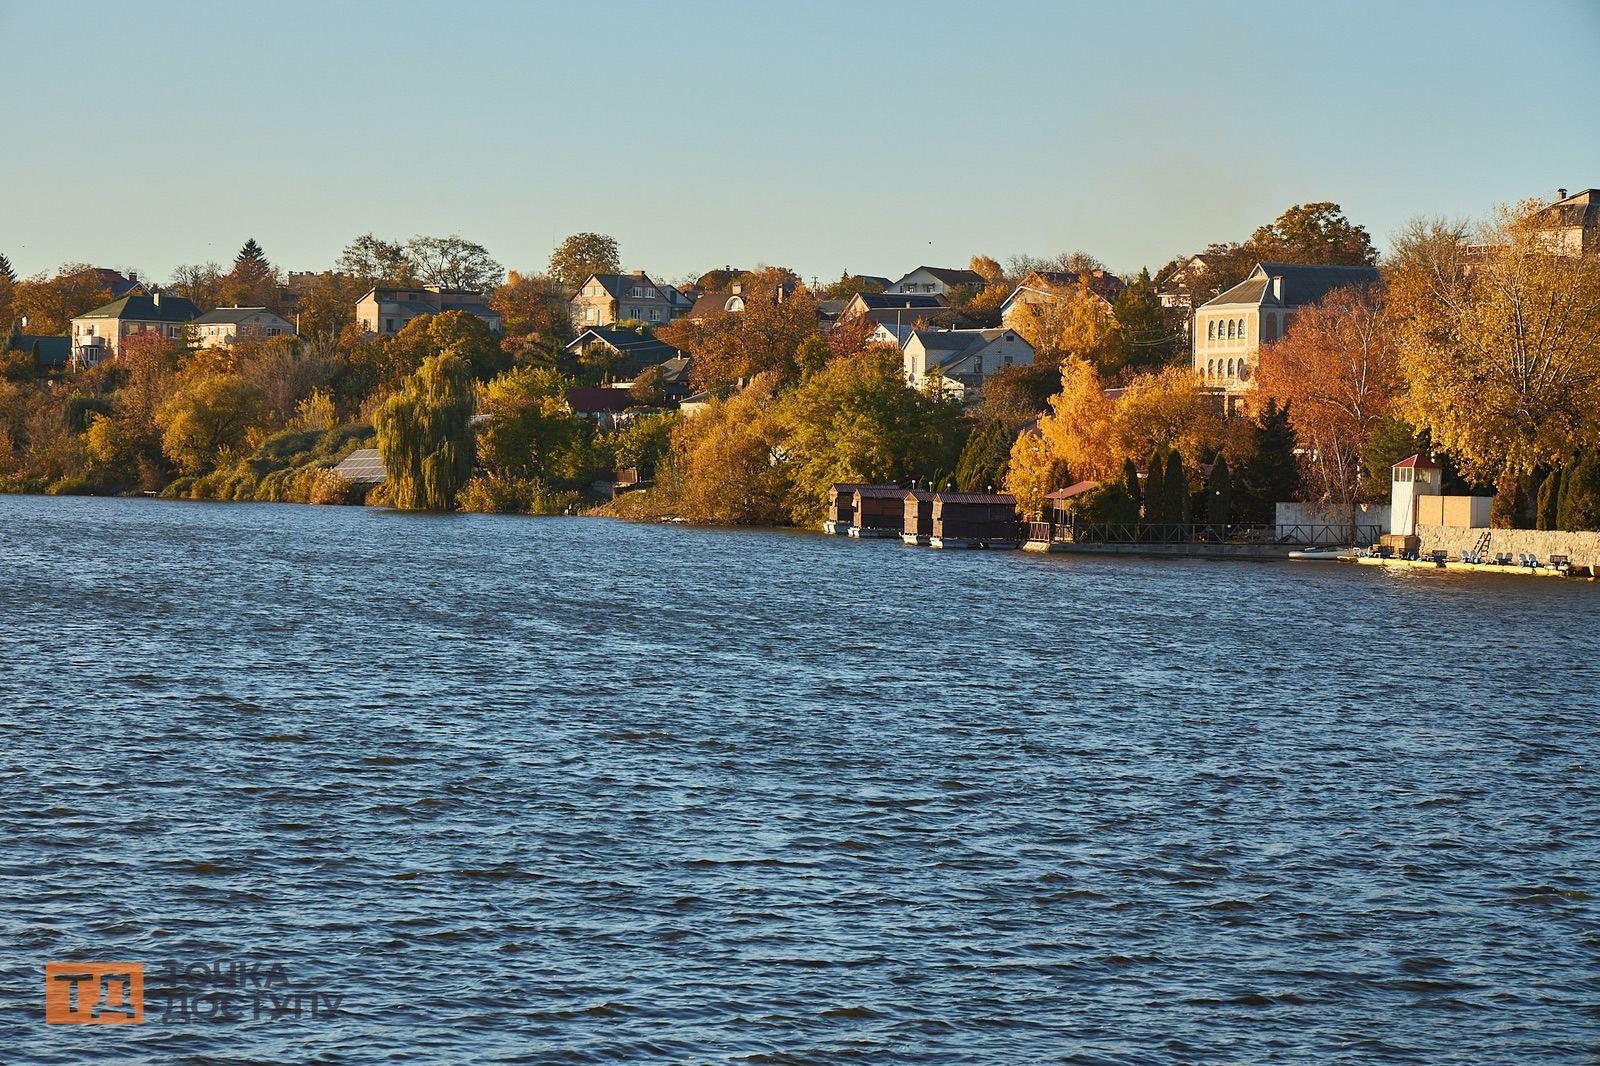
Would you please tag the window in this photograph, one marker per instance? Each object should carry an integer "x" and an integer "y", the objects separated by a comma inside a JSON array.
[
  {"x": 1230, "y": 329},
  {"x": 655, "y": 314},
  {"x": 388, "y": 325},
  {"x": 1211, "y": 330},
  {"x": 1230, "y": 368},
  {"x": 1211, "y": 369}
]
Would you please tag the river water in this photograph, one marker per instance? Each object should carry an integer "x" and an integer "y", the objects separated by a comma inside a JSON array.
[{"x": 526, "y": 790}]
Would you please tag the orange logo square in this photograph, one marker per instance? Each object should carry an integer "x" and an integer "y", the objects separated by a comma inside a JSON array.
[{"x": 93, "y": 993}]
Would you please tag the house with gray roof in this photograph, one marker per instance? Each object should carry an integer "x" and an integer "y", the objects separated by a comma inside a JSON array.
[
  {"x": 387, "y": 309},
  {"x": 225, "y": 326},
  {"x": 1230, "y": 330},
  {"x": 97, "y": 335},
  {"x": 940, "y": 280},
  {"x": 961, "y": 359},
  {"x": 1571, "y": 225},
  {"x": 606, "y": 299}
]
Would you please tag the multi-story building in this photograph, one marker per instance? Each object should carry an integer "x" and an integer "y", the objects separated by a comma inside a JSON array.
[
  {"x": 386, "y": 309},
  {"x": 1230, "y": 330},
  {"x": 943, "y": 281},
  {"x": 224, "y": 326},
  {"x": 1571, "y": 225},
  {"x": 961, "y": 358},
  {"x": 97, "y": 335},
  {"x": 606, "y": 299}
]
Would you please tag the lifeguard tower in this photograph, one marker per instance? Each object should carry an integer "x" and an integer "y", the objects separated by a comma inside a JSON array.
[{"x": 1411, "y": 478}]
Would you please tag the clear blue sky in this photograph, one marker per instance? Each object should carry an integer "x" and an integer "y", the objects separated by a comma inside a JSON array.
[{"x": 821, "y": 136}]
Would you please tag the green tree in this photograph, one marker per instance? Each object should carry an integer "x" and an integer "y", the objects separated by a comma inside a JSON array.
[
  {"x": 1175, "y": 492},
  {"x": 459, "y": 331},
  {"x": 425, "y": 435},
  {"x": 530, "y": 432},
  {"x": 1580, "y": 495},
  {"x": 1271, "y": 474},
  {"x": 372, "y": 261},
  {"x": 583, "y": 254},
  {"x": 1219, "y": 494},
  {"x": 1155, "y": 490},
  {"x": 6, "y": 273},
  {"x": 453, "y": 262},
  {"x": 1314, "y": 233},
  {"x": 1549, "y": 501},
  {"x": 857, "y": 420},
  {"x": 1130, "y": 486},
  {"x": 1143, "y": 336},
  {"x": 985, "y": 459},
  {"x": 251, "y": 258}
]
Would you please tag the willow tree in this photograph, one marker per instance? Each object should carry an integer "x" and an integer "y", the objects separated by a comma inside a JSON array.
[
  {"x": 1500, "y": 344},
  {"x": 425, "y": 435}
]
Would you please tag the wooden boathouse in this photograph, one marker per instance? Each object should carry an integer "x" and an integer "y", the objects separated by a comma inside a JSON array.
[
  {"x": 841, "y": 508},
  {"x": 879, "y": 511},
  {"x": 917, "y": 516},
  {"x": 975, "y": 520}
]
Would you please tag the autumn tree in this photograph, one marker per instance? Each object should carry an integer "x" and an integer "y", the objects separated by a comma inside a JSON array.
[
  {"x": 199, "y": 283},
  {"x": 49, "y": 302},
  {"x": 530, "y": 432},
  {"x": 453, "y": 262},
  {"x": 763, "y": 338},
  {"x": 1078, "y": 429},
  {"x": 987, "y": 268},
  {"x": 425, "y": 434},
  {"x": 847, "y": 286},
  {"x": 1072, "y": 322},
  {"x": 461, "y": 332},
  {"x": 1501, "y": 346},
  {"x": 725, "y": 464},
  {"x": 204, "y": 423},
  {"x": 1314, "y": 233},
  {"x": 1033, "y": 471},
  {"x": 537, "y": 325},
  {"x": 583, "y": 254},
  {"x": 1167, "y": 409},
  {"x": 1016, "y": 395},
  {"x": 1338, "y": 373}
]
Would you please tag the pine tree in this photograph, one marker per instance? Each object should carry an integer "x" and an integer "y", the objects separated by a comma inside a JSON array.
[
  {"x": 1272, "y": 474},
  {"x": 425, "y": 434},
  {"x": 1581, "y": 493},
  {"x": 1549, "y": 500},
  {"x": 251, "y": 258},
  {"x": 6, "y": 273},
  {"x": 1219, "y": 494},
  {"x": 985, "y": 459},
  {"x": 1155, "y": 481},
  {"x": 1176, "y": 504},
  {"x": 1130, "y": 486}
]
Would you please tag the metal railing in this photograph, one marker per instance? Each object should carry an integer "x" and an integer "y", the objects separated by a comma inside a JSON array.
[{"x": 1307, "y": 534}]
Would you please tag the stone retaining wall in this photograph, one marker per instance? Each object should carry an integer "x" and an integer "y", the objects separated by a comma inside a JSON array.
[{"x": 1582, "y": 548}]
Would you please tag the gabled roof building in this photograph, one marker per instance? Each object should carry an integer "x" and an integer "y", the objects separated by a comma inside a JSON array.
[
  {"x": 97, "y": 335},
  {"x": 939, "y": 280}
]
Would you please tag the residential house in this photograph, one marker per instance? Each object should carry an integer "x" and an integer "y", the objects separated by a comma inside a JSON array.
[
  {"x": 897, "y": 313},
  {"x": 386, "y": 309},
  {"x": 1230, "y": 330},
  {"x": 1051, "y": 286},
  {"x": 1177, "y": 289},
  {"x": 962, "y": 358},
  {"x": 53, "y": 353},
  {"x": 120, "y": 284},
  {"x": 606, "y": 299},
  {"x": 1571, "y": 225},
  {"x": 224, "y": 326},
  {"x": 681, "y": 301},
  {"x": 632, "y": 352},
  {"x": 97, "y": 335},
  {"x": 694, "y": 405},
  {"x": 732, "y": 301},
  {"x": 941, "y": 281}
]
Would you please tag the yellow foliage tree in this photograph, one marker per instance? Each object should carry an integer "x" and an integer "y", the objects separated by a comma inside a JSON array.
[
  {"x": 1079, "y": 427},
  {"x": 1073, "y": 322},
  {"x": 1166, "y": 409},
  {"x": 1035, "y": 472}
]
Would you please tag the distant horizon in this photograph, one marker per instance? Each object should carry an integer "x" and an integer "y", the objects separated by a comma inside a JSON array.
[{"x": 819, "y": 139}]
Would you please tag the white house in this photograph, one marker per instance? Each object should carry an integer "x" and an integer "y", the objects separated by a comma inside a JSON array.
[
  {"x": 939, "y": 280},
  {"x": 224, "y": 326},
  {"x": 962, "y": 358}
]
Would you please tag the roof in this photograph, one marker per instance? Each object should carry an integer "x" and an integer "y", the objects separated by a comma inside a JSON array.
[
  {"x": 591, "y": 400},
  {"x": 847, "y": 487},
  {"x": 1582, "y": 208},
  {"x": 1302, "y": 284},
  {"x": 363, "y": 466},
  {"x": 920, "y": 495},
  {"x": 628, "y": 342},
  {"x": 948, "y": 275},
  {"x": 975, "y": 497},
  {"x": 53, "y": 351},
  {"x": 1070, "y": 491},
  {"x": 614, "y": 283},
  {"x": 709, "y": 303},
  {"x": 137, "y": 308},
  {"x": 882, "y": 301},
  {"x": 880, "y": 492},
  {"x": 1417, "y": 462},
  {"x": 234, "y": 314}
]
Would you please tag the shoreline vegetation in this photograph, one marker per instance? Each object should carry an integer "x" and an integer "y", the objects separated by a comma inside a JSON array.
[{"x": 1477, "y": 346}]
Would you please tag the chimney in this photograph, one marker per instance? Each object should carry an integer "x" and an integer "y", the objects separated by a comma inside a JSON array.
[
  {"x": 133, "y": 275},
  {"x": 1561, "y": 194}
]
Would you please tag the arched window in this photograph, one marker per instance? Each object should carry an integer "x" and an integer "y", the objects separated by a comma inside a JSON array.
[
  {"x": 1244, "y": 370},
  {"x": 1211, "y": 330},
  {"x": 1230, "y": 368},
  {"x": 1241, "y": 329},
  {"x": 1211, "y": 369}
]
